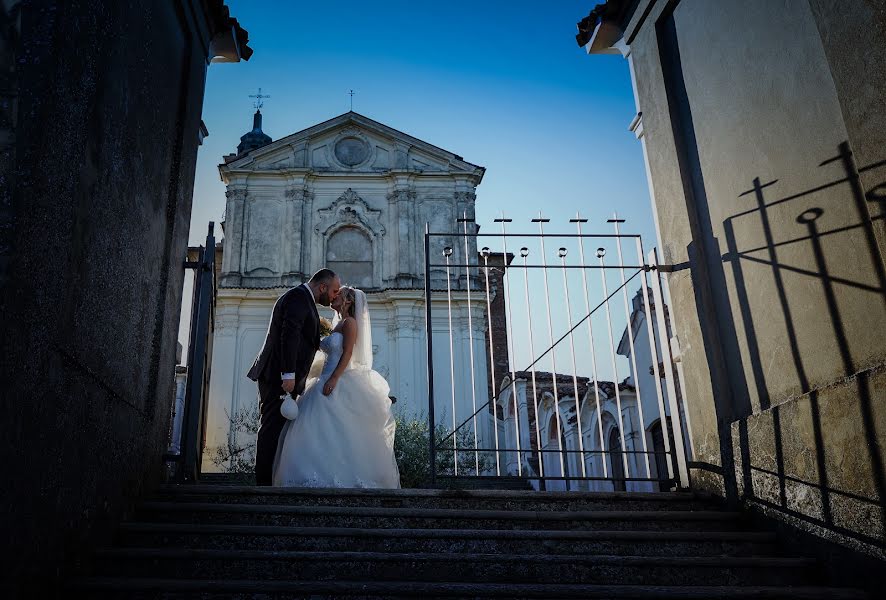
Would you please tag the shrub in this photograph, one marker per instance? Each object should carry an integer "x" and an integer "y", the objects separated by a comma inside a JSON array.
[
  {"x": 238, "y": 454},
  {"x": 411, "y": 449}
]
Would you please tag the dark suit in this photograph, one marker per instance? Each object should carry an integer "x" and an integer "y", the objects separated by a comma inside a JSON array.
[{"x": 290, "y": 344}]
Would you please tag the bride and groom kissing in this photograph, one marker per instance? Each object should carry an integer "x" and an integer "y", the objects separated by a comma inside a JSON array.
[{"x": 343, "y": 434}]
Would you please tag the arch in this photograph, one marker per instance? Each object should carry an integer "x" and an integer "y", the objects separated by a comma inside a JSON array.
[
  {"x": 656, "y": 435},
  {"x": 352, "y": 214},
  {"x": 349, "y": 252},
  {"x": 616, "y": 464},
  {"x": 505, "y": 400},
  {"x": 552, "y": 434},
  {"x": 552, "y": 429},
  {"x": 590, "y": 430},
  {"x": 554, "y": 442}
]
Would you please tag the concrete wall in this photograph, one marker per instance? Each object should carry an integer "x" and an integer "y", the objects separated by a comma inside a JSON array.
[
  {"x": 765, "y": 134},
  {"x": 109, "y": 104}
]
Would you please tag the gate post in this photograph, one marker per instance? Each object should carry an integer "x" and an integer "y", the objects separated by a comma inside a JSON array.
[
  {"x": 199, "y": 352},
  {"x": 665, "y": 341},
  {"x": 429, "y": 333}
]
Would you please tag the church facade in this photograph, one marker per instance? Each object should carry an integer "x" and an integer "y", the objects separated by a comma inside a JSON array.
[{"x": 354, "y": 195}]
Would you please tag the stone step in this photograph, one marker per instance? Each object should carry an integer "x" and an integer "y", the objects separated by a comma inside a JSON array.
[
  {"x": 438, "y": 518},
  {"x": 242, "y": 589},
  {"x": 440, "y": 567},
  {"x": 503, "y": 482},
  {"x": 420, "y": 498},
  {"x": 507, "y": 541}
]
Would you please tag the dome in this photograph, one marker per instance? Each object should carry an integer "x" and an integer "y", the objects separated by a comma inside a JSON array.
[{"x": 255, "y": 138}]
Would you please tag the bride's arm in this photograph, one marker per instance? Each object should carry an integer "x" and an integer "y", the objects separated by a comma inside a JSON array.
[{"x": 349, "y": 331}]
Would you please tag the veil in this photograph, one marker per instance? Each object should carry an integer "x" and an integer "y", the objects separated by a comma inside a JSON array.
[{"x": 361, "y": 357}]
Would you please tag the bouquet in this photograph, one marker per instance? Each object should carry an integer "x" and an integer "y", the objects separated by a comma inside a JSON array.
[{"x": 325, "y": 327}]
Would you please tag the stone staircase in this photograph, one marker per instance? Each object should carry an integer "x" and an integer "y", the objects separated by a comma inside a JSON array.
[{"x": 205, "y": 541}]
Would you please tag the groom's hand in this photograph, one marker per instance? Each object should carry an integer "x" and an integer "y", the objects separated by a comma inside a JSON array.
[{"x": 288, "y": 385}]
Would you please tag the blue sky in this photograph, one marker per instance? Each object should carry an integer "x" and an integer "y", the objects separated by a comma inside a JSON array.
[{"x": 502, "y": 84}]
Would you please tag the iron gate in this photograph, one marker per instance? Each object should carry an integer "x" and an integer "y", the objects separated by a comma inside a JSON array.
[{"x": 568, "y": 428}]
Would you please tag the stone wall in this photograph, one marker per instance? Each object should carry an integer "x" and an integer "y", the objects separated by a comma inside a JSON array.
[
  {"x": 762, "y": 124},
  {"x": 109, "y": 104},
  {"x": 10, "y": 31}
]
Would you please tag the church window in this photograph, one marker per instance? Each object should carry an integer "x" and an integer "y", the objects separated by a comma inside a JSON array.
[
  {"x": 616, "y": 460},
  {"x": 351, "y": 151},
  {"x": 349, "y": 253}
]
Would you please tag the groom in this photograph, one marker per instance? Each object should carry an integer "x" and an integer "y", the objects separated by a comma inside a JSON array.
[{"x": 283, "y": 363}]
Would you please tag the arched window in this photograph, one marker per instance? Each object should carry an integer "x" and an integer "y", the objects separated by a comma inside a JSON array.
[
  {"x": 349, "y": 254},
  {"x": 554, "y": 444},
  {"x": 661, "y": 467},
  {"x": 616, "y": 461},
  {"x": 658, "y": 447},
  {"x": 553, "y": 430}
]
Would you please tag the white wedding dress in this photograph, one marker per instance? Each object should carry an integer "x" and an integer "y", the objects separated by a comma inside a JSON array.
[{"x": 345, "y": 439}]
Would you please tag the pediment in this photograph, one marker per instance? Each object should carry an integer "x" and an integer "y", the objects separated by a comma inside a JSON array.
[{"x": 352, "y": 143}]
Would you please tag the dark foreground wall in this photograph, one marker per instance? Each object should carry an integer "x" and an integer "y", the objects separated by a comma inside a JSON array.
[{"x": 101, "y": 123}]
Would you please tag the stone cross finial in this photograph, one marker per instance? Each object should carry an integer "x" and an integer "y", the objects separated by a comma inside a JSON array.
[{"x": 259, "y": 99}]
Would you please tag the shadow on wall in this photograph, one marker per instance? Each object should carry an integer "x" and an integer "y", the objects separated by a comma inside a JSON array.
[
  {"x": 813, "y": 451},
  {"x": 797, "y": 370}
]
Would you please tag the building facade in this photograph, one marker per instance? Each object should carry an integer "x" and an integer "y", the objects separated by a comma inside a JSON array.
[{"x": 354, "y": 195}]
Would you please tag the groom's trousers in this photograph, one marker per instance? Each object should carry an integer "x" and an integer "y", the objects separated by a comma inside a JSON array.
[{"x": 269, "y": 396}]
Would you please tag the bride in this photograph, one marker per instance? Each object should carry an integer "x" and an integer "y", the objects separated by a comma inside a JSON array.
[{"x": 343, "y": 434}]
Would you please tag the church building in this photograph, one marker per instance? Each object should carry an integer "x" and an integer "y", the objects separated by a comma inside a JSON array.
[{"x": 354, "y": 195}]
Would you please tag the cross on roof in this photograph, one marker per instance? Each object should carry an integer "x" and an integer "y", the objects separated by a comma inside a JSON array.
[
  {"x": 259, "y": 99},
  {"x": 351, "y": 94}
]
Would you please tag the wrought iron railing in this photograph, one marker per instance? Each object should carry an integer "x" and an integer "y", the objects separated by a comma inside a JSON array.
[
  {"x": 199, "y": 359},
  {"x": 620, "y": 462}
]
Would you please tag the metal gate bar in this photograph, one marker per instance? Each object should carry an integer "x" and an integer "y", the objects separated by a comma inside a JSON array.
[{"x": 673, "y": 456}]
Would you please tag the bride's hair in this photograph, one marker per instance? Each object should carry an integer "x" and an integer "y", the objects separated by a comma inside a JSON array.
[{"x": 350, "y": 297}]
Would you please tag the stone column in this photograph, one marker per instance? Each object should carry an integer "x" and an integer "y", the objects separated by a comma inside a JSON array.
[
  {"x": 392, "y": 265},
  {"x": 401, "y": 203},
  {"x": 416, "y": 248},
  {"x": 508, "y": 440},
  {"x": 525, "y": 431},
  {"x": 235, "y": 212},
  {"x": 307, "y": 222},
  {"x": 293, "y": 240}
]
